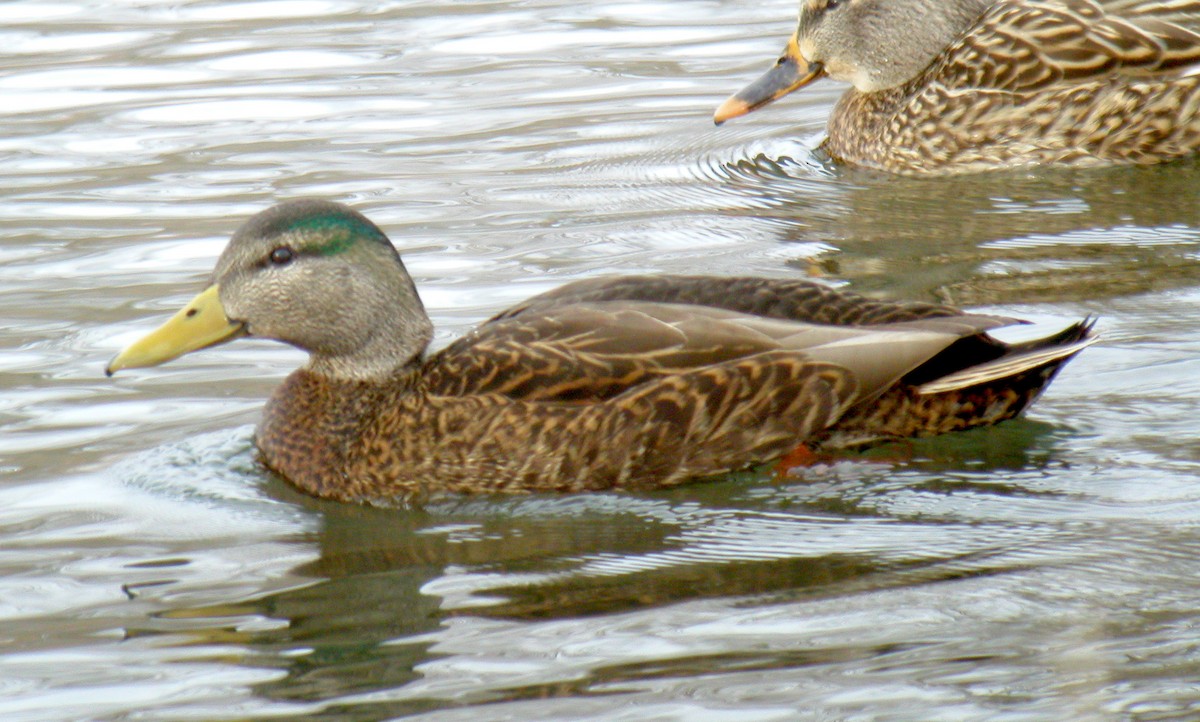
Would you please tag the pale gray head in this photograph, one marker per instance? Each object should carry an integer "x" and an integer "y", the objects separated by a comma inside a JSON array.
[
  {"x": 872, "y": 44},
  {"x": 879, "y": 44},
  {"x": 322, "y": 277}
]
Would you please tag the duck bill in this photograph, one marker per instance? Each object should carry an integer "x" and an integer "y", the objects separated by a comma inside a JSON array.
[
  {"x": 199, "y": 324},
  {"x": 791, "y": 72}
]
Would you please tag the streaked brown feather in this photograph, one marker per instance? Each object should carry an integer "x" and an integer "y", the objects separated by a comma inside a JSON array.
[
  {"x": 1039, "y": 81},
  {"x": 792, "y": 299},
  {"x": 1038, "y": 43},
  {"x": 593, "y": 387}
]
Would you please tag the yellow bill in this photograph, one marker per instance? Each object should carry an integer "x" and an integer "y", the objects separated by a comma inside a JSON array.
[
  {"x": 791, "y": 72},
  {"x": 199, "y": 324}
]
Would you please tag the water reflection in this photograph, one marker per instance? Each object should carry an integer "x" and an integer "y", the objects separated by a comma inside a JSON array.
[
  {"x": 1058, "y": 234},
  {"x": 391, "y": 590}
]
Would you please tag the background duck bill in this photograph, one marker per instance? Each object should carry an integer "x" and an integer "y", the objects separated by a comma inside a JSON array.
[{"x": 790, "y": 73}]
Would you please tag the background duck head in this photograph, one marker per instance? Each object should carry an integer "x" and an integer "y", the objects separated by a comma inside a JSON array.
[{"x": 871, "y": 44}]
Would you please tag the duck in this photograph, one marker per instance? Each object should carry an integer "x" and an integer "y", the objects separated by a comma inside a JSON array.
[
  {"x": 943, "y": 87},
  {"x": 612, "y": 382}
]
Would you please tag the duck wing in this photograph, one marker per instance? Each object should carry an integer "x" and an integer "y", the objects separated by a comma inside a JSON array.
[
  {"x": 624, "y": 394},
  {"x": 596, "y": 351},
  {"x": 792, "y": 299},
  {"x": 1022, "y": 46}
]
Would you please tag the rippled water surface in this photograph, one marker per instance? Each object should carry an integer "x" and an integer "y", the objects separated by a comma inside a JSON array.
[{"x": 1044, "y": 569}]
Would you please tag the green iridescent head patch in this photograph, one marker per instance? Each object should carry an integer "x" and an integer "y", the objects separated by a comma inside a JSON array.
[{"x": 336, "y": 232}]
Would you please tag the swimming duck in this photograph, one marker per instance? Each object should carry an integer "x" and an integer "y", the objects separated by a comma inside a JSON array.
[
  {"x": 953, "y": 86},
  {"x": 633, "y": 382}
]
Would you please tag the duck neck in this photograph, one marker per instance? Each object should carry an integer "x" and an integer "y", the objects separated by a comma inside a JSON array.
[
  {"x": 957, "y": 19},
  {"x": 311, "y": 420},
  {"x": 385, "y": 352}
]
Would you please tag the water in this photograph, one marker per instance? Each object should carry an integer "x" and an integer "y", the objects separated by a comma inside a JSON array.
[{"x": 149, "y": 568}]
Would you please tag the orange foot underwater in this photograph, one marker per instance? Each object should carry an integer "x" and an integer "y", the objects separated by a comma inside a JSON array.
[{"x": 803, "y": 456}]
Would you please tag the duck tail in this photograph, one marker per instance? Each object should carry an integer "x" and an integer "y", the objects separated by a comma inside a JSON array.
[{"x": 1048, "y": 353}]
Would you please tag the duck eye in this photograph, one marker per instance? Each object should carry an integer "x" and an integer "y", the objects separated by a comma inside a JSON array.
[{"x": 282, "y": 256}]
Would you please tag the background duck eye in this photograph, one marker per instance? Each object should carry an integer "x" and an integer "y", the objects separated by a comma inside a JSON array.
[{"x": 282, "y": 256}]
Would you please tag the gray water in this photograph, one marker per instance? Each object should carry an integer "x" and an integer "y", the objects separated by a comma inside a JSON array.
[{"x": 150, "y": 569}]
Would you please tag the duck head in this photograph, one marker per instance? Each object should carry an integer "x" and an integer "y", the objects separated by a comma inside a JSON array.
[
  {"x": 871, "y": 44},
  {"x": 314, "y": 274}
]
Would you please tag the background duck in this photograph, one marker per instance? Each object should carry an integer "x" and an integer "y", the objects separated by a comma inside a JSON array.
[
  {"x": 953, "y": 86},
  {"x": 616, "y": 382}
]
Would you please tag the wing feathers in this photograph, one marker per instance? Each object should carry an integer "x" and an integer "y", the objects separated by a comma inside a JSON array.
[
  {"x": 1027, "y": 45},
  {"x": 778, "y": 298},
  {"x": 589, "y": 352},
  {"x": 1004, "y": 367},
  {"x": 721, "y": 418}
]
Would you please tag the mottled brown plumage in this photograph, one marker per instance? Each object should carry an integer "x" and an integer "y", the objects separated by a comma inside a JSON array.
[
  {"x": 631, "y": 382},
  {"x": 952, "y": 86}
]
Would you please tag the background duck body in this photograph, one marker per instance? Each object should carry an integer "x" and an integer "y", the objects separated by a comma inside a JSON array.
[
  {"x": 1038, "y": 81},
  {"x": 633, "y": 382},
  {"x": 1028, "y": 81}
]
